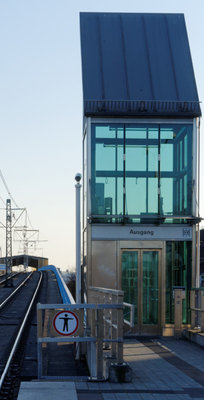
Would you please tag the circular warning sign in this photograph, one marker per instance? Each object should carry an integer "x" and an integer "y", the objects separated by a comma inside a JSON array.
[{"x": 65, "y": 323}]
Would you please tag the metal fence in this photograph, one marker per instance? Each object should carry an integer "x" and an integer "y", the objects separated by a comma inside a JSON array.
[
  {"x": 102, "y": 334},
  {"x": 197, "y": 309}
]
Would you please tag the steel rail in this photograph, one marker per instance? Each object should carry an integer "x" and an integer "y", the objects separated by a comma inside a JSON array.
[
  {"x": 19, "y": 334},
  {"x": 14, "y": 292},
  {"x": 12, "y": 276}
]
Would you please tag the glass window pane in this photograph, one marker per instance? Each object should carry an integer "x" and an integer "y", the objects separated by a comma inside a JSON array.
[
  {"x": 85, "y": 181},
  {"x": 105, "y": 157},
  {"x": 153, "y": 132},
  {"x": 152, "y": 152},
  {"x": 150, "y": 287},
  {"x": 107, "y": 170},
  {"x": 148, "y": 165},
  {"x": 178, "y": 273},
  {"x": 141, "y": 169},
  {"x": 130, "y": 281},
  {"x": 119, "y": 199},
  {"x": 166, "y": 156},
  {"x": 135, "y": 131},
  {"x": 107, "y": 131},
  {"x": 105, "y": 201},
  {"x": 135, "y": 158},
  {"x": 167, "y": 196},
  {"x": 152, "y": 195},
  {"x": 135, "y": 196},
  {"x": 176, "y": 169}
]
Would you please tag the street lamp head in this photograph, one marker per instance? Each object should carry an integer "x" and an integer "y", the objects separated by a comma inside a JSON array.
[{"x": 78, "y": 177}]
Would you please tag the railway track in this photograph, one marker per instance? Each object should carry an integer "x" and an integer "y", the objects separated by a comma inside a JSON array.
[
  {"x": 5, "y": 278},
  {"x": 6, "y": 291},
  {"x": 15, "y": 313}
]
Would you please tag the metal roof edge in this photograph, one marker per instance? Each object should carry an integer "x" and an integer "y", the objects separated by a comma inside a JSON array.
[{"x": 141, "y": 108}]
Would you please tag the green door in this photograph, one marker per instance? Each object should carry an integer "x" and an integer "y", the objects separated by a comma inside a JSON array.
[{"x": 140, "y": 282}]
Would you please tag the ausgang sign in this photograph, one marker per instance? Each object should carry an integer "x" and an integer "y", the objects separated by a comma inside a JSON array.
[{"x": 141, "y": 233}]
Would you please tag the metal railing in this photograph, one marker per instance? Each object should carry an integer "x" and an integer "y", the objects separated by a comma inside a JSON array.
[
  {"x": 112, "y": 318},
  {"x": 112, "y": 296},
  {"x": 197, "y": 308},
  {"x": 130, "y": 314},
  {"x": 102, "y": 333}
]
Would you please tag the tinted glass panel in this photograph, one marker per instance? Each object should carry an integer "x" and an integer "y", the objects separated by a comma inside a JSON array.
[
  {"x": 130, "y": 281},
  {"x": 178, "y": 273},
  {"x": 107, "y": 170},
  {"x": 141, "y": 169},
  {"x": 150, "y": 287}
]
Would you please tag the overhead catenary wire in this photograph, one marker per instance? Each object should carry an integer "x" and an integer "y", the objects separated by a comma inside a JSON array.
[
  {"x": 29, "y": 221},
  {"x": 27, "y": 218},
  {"x": 12, "y": 198},
  {"x": 7, "y": 189},
  {"x": 3, "y": 201}
]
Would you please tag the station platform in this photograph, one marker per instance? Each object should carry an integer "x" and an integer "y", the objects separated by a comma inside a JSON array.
[{"x": 163, "y": 369}]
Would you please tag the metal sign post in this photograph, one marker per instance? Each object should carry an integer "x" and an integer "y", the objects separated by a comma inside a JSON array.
[{"x": 179, "y": 295}]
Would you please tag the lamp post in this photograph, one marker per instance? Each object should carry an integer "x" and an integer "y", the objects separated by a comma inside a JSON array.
[{"x": 78, "y": 239}]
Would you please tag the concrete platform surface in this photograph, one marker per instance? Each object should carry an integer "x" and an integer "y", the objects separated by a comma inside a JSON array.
[
  {"x": 162, "y": 369},
  {"x": 47, "y": 390}
]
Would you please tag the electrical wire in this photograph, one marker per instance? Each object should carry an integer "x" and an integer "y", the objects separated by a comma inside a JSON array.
[
  {"x": 3, "y": 201},
  {"x": 11, "y": 197},
  {"x": 7, "y": 189},
  {"x": 29, "y": 221}
]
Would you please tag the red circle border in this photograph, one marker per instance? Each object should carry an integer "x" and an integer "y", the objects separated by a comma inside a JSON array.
[{"x": 66, "y": 334}]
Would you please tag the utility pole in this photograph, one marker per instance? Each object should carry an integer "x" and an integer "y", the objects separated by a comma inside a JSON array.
[
  {"x": 28, "y": 238},
  {"x": 25, "y": 249},
  {"x": 9, "y": 283},
  {"x": 25, "y": 245}
]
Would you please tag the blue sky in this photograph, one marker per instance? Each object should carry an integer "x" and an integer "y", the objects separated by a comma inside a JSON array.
[{"x": 41, "y": 106}]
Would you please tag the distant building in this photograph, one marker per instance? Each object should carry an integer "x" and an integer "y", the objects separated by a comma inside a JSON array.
[{"x": 2, "y": 269}]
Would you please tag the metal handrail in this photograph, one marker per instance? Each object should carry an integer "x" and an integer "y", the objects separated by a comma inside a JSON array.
[
  {"x": 106, "y": 290},
  {"x": 132, "y": 314},
  {"x": 197, "y": 308},
  {"x": 116, "y": 292},
  {"x": 94, "y": 332}
]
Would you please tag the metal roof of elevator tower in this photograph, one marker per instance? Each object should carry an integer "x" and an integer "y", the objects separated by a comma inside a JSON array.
[{"x": 137, "y": 64}]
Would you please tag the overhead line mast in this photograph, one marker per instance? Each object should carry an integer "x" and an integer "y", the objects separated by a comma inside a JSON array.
[
  {"x": 26, "y": 234},
  {"x": 8, "y": 243}
]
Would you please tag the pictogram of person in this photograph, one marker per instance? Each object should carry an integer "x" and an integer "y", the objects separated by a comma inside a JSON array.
[{"x": 66, "y": 319}]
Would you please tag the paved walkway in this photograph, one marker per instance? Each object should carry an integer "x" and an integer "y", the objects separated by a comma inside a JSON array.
[{"x": 163, "y": 369}]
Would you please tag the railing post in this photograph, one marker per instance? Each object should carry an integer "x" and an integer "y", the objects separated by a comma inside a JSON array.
[
  {"x": 132, "y": 315},
  {"x": 178, "y": 298},
  {"x": 192, "y": 306},
  {"x": 202, "y": 310},
  {"x": 99, "y": 344},
  {"x": 39, "y": 344},
  {"x": 106, "y": 318},
  {"x": 120, "y": 331},
  {"x": 113, "y": 324}
]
